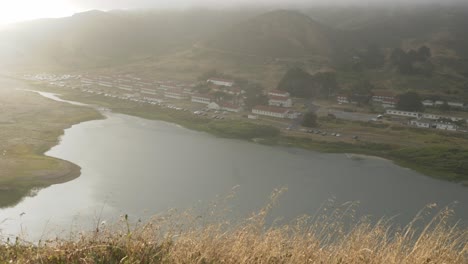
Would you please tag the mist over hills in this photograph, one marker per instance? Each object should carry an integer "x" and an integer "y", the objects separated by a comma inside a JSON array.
[
  {"x": 96, "y": 38},
  {"x": 252, "y": 43}
]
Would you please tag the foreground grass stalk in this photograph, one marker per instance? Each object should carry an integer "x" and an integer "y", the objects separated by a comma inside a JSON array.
[{"x": 333, "y": 236}]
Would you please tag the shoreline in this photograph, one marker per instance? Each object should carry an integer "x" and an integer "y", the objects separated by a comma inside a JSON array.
[
  {"x": 27, "y": 167},
  {"x": 224, "y": 129}
]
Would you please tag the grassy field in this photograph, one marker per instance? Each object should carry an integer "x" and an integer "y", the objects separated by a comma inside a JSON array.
[
  {"x": 29, "y": 126},
  {"x": 333, "y": 235}
]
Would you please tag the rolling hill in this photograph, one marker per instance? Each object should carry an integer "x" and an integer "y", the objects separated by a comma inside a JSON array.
[
  {"x": 275, "y": 34},
  {"x": 254, "y": 44},
  {"x": 102, "y": 39}
]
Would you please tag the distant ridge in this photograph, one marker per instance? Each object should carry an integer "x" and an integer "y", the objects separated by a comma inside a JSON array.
[{"x": 280, "y": 33}]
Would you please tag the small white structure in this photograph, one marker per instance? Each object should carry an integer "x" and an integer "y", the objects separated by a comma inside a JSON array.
[
  {"x": 403, "y": 113},
  {"x": 254, "y": 117},
  {"x": 221, "y": 82},
  {"x": 382, "y": 95},
  {"x": 428, "y": 103},
  {"x": 446, "y": 126},
  {"x": 278, "y": 93},
  {"x": 213, "y": 106},
  {"x": 420, "y": 123},
  {"x": 389, "y": 103},
  {"x": 125, "y": 87},
  {"x": 202, "y": 99},
  {"x": 148, "y": 91},
  {"x": 87, "y": 81},
  {"x": 272, "y": 111},
  {"x": 342, "y": 99},
  {"x": 456, "y": 104},
  {"x": 281, "y": 101},
  {"x": 293, "y": 114},
  {"x": 431, "y": 116},
  {"x": 231, "y": 107},
  {"x": 177, "y": 94},
  {"x": 106, "y": 84}
]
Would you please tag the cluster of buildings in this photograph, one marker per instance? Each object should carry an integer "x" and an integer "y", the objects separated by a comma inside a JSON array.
[
  {"x": 388, "y": 99},
  {"x": 137, "y": 86},
  {"x": 160, "y": 90},
  {"x": 129, "y": 86},
  {"x": 439, "y": 103},
  {"x": 427, "y": 120},
  {"x": 279, "y": 106}
]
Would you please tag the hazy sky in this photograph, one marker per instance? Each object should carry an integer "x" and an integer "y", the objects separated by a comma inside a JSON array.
[{"x": 18, "y": 10}]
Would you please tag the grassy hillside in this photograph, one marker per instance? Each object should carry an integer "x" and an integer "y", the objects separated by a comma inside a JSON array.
[
  {"x": 275, "y": 34},
  {"x": 102, "y": 39},
  {"x": 252, "y": 44},
  {"x": 25, "y": 139}
]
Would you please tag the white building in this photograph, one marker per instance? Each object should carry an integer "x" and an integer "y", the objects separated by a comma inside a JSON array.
[
  {"x": 426, "y": 123},
  {"x": 456, "y": 104},
  {"x": 389, "y": 103},
  {"x": 431, "y": 116},
  {"x": 108, "y": 84},
  {"x": 87, "y": 81},
  {"x": 202, "y": 99},
  {"x": 231, "y": 107},
  {"x": 148, "y": 91},
  {"x": 278, "y": 93},
  {"x": 213, "y": 106},
  {"x": 381, "y": 96},
  {"x": 221, "y": 82},
  {"x": 446, "y": 126},
  {"x": 403, "y": 113},
  {"x": 153, "y": 98},
  {"x": 272, "y": 111},
  {"x": 420, "y": 123},
  {"x": 342, "y": 99},
  {"x": 428, "y": 103},
  {"x": 274, "y": 100},
  {"x": 177, "y": 94},
  {"x": 125, "y": 87}
]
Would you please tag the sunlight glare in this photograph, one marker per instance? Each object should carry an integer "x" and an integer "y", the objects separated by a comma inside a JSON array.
[{"x": 12, "y": 11}]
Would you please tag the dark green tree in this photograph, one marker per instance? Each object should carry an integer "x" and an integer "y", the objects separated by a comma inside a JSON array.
[
  {"x": 298, "y": 83},
  {"x": 397, "y": 55},
  {"x": 445, "y": 107},
  {"x": 374, "y": 57},
  {"x": 410, "y": 101},
  {"x": 424, "y": 53},
  {"x": 309, "y": 120},
  {"x": 254, "y": 95},
  {"x": 301, "y": 84}
]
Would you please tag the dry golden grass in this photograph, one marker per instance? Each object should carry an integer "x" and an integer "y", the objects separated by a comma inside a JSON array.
[{"x": 331, "y": 237}]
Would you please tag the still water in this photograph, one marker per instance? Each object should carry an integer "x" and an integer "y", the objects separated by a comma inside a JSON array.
[{"x": 141, "y": 167}]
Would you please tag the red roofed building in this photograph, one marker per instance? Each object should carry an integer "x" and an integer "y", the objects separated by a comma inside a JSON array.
[
  {"x": 382, "y": 95},
  {"x": 202, "y": 98},
  {"x": 282, "y": 101},
  {"x": 272, "y": 111}
]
